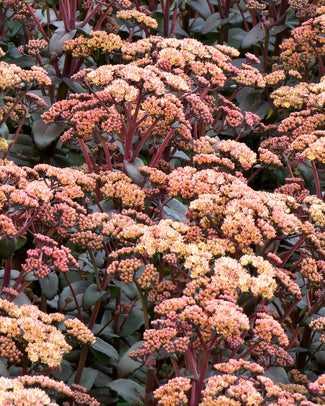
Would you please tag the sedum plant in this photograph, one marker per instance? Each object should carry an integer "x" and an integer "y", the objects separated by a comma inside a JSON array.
[{"x": 159, "y": 272}]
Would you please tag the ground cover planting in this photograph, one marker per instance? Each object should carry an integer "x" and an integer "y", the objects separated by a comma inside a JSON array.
[{"x": 162, "y": 213}]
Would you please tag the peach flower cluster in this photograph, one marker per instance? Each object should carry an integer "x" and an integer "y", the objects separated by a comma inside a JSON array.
[
  {"x": 38, "y": 391},
  {"x": 28, "y": 329},
  {"x": 77, "y": 329}
]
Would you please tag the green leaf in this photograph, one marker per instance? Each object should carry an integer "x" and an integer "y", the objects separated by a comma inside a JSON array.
[
  {"x": 200, "y": 7},
  {"x": 320, "y": 357},
  {"x": 127, "y": 389},
  {"x": 88, "y": 378},
  {"x": 7, "y": 247},
  {"x": 127, "y": 365},
  {"x": 212, "y": 22},
  {"x": 50, "y": 285},
  {"x": 235, "y": 37},
  {"x": 22, "y": 299},
  {"x": 175, "y": 210},
  {"x": 105, "y": 348},
  {"x": 128, "y": 289},
  {"x": 177, "y": 124},
  {"x": 45, "y": 134},
  {"x": 253, "y": 101},
  {"x": 298, "y": 349},
  {"x": 14, "y": 273},
  {"x": 181, "y": 155},
  {"x": 277, "y": 29},
  {"x": 133, "y": 322},
  {"x": 132, "y": 170},
  {"x": 79, "y": 288},
  {"x": 92, "y": 295},
  {"x": 305, "y": 320},
  {"x": 3, "y": 370},
  {"x": 21, "y": 241},
  {"x": 58, "y": 38},
  {"x": 277, "y": 374},
  {"x": 254, "y": 36},
  {"x": 197, "y": 25},
  {"x": 4, "y": 132},
  {"x": 65, "y": 373}
]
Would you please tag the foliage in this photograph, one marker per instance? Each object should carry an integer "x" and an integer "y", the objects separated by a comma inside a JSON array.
[{"x": 162, "y": 213}]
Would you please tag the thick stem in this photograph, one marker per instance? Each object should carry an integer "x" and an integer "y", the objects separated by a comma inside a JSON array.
[
  {"x": 93, "y": 261},
  {"x": 37, "y": 21},
  {"x": 293, "y": 249},
  {"x": 107, "y": 154},
  {"x": 143, "y": 141},
  {"x": 74, "y": 296},
  {"x": 166, "y": 18},
  {"x": 21, "y": 123},
  {"x": 175, "y": 366},
  {"x": 174, "y": 19},
  {"x": 144, "y": 308},
  {"x": 317, "y": 182},
  {"x": 86, "y": 155},
  {"x": 305, "y": 343},
  {"x": 81, "y": 364},
  {"x": 85, "y": 348},
  {"x": 200, "y": 382},
  {"x": 265, "y": 51},
  {"x": 7, "y": 273},
  {"x": 288, "y": 311},
  {"x": 243, "y": 16},
  {"x": 73, "y": 10},
  {"x": 192, "y": 362},
  {"x": 64, "y": 15},
  {"x": 155, "y": 159},
  {"x": 148, "y": 400}
]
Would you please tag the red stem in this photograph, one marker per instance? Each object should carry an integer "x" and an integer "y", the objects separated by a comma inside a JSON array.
[
  {"x": 292, "y": 250},
  {"x": 91, "y": 13},
  {"x": 143, "y": 141},
  {"x": 200, "y": 381},
  {"x": 174, "y": 19},
  {"x": 16, "y": 135},
  {"x": 37, "y": 22},
  {"x": 73, "y": 11},
  {"x": 7, "y": 273},
  {"x": 107, "y": 153},
  {"x": 64, "y": 15},
  {"x": 86, "y": 155},
  {"x": 166, "y": 18},
  {"x": 210, "y": 6},
  {"x": 317, "y": 182},
  {"x": 85, "y": 348},
  {"x": 101, "y": 20},
  {"x": 162, "y": 148},
  {"x": 74, "y": 296},
  {"x": 242, "y": 15}
]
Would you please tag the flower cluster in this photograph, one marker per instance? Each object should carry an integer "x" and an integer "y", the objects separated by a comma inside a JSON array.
[
  {"x": 28, "y": 329},
  {"x": 77, "y": 329},
  {"x": 266, "y": 328},
  {"x": 305, "y": 43},
  {"x": 138, "y": 16},
  {"x": 38, "y": 391},
  {"x": 173, "y": 393},
  {"x": 147, "y": 91},
  {"x": 241, "y": 213},
  {"x": 116, "y": 185},
  {"x": 48, "y": 255},
  {"x": 98, "y": 40},
  {"x": 12, "y": 76}
]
